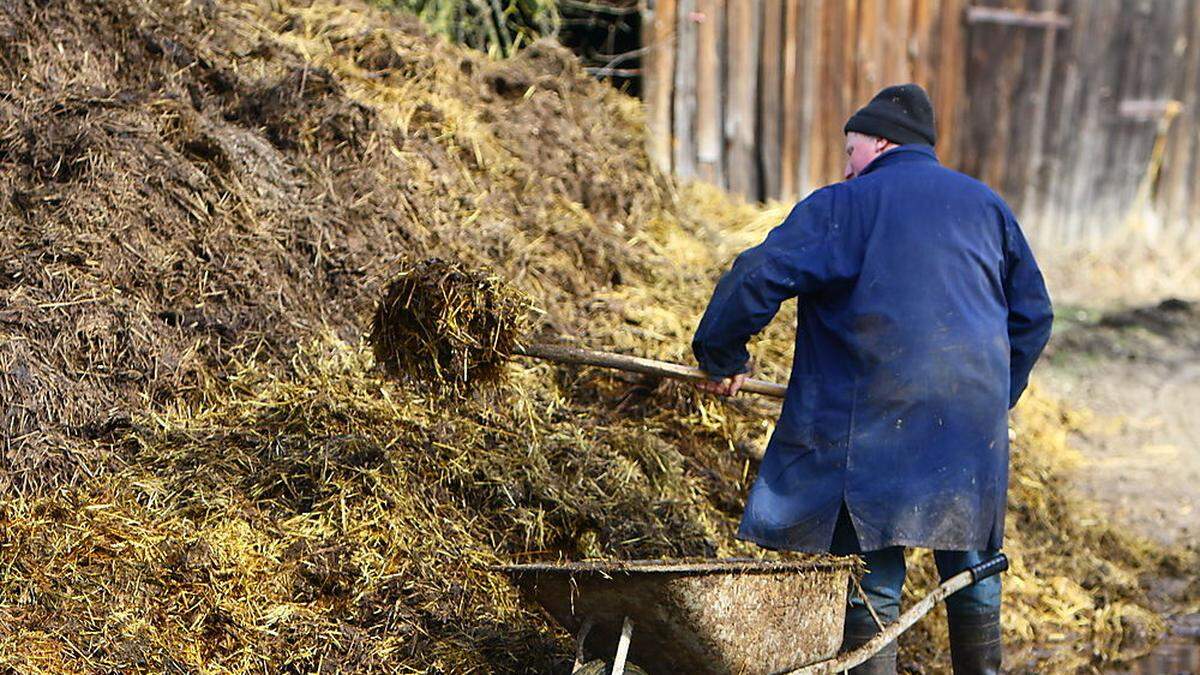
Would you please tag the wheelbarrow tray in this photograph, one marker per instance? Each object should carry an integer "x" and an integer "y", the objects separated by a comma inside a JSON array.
[{"x": 716, "y": 616}]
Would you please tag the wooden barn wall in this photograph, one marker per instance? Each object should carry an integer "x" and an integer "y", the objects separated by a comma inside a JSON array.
[{"x": 1082, "y": 113}]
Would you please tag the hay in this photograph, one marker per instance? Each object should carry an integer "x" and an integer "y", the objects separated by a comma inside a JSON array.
[
  {"x": 202, "y": 470},
  {"x": 174, "y": 197},
  {"x": 332, "y": 518},
  {"x": 443, "y": 323}
]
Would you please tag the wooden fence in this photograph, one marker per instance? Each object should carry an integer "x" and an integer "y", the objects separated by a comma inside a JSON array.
[{"x": 1082, "y": 113}]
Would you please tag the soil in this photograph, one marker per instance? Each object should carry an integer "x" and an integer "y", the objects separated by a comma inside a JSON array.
[
  {"x": 1138, "y": 372},
  {"x": 1178, "y": 653}
]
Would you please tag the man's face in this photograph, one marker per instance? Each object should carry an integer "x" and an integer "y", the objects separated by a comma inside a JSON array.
[{"x": 861, "y": 150}]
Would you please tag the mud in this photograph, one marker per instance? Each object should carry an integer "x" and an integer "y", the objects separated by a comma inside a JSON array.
[{"x": 1138, "y": 373}]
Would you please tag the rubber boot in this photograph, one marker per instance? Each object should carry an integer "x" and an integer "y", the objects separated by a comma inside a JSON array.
[
  {"x": 858, "y": 632},
  {"x": 975, "y": 646}
]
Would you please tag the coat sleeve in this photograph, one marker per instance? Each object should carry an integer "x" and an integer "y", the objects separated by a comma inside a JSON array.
[
  {"x": 1029, "y": 312},
  {"x": 802, "y": 255}
]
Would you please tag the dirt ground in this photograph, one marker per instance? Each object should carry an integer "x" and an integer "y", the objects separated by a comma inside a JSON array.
[{"x": 1137, "y": 371}]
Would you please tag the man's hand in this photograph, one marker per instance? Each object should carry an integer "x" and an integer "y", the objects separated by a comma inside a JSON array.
[{"x": 726, "y": 387}]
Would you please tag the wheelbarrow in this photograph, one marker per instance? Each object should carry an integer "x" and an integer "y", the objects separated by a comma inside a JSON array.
[{"x": 717, "y": 616}]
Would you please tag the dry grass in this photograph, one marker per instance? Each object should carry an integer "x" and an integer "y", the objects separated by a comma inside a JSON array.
[
  {"x": 331, "y": 518},
  {"x": 1125, "y": 271}
]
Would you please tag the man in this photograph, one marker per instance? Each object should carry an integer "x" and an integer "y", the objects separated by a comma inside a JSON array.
[{"x": 921, "y": 314}]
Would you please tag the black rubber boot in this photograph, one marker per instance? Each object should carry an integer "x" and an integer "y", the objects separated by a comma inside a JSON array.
[
  {"x": 858, "y": 632},
  {"x": 975, "y": 646}
]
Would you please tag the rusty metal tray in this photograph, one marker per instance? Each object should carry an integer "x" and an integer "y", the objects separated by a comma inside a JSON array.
[{"x": 714, "y": 616}]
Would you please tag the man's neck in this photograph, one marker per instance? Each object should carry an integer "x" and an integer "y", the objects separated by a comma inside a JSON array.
[{"x": 886, "y": 150}]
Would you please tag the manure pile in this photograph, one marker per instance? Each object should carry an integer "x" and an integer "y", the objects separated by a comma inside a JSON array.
[
  {"x": 446, "y": 325},
  {"x": 203, "y": 468}
]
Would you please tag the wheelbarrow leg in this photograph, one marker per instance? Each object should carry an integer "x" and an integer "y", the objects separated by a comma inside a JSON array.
[
  {"x": 583, "y": 633},
  {"x": 618, "y": 667}
]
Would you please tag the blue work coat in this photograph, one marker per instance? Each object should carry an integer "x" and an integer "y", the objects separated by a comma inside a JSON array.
[{"x": 921, "y": 312}]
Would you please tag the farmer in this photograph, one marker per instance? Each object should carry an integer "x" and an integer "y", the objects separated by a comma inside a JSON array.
[{"x": 921, "y": 313}]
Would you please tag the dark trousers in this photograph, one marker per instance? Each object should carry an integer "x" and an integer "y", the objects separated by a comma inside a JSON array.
[{"x": 885, "y": 578}]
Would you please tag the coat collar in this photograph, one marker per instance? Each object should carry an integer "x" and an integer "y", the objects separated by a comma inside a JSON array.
[{"x": 914, "y": 152}]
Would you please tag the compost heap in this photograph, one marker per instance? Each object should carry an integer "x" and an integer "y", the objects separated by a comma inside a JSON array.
[
  {"x": 447, "y": 326},
  {"x": 203, "y": 469}
]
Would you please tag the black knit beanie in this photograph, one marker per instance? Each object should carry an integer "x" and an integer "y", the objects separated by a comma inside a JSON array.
[{"x": 902, "y": 114}]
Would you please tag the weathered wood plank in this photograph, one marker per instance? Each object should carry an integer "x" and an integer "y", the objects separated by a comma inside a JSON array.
[
  {"x": 1016, "y": 17},
  {"x": 994, "y": 67},
  {"x": 741, "y": 161},
  {"x": 1017, "y": 131},
  {"x": 894, "y": 35},
  {"x": 825, "y": 135},
  {"x": 1025, "y": 106},
  {"x": 1179, "y": 197},
  {"x": 809, "y": 144},
  {"x": 842, "y": 83},
  {"x": 870, "y": 49},
  {"x": 834, "y": 92},
  {"x": 710, "y": 140},
  {"x": 849, "y": 64},
  {"x": 921, "y": 40},
  {"x": 1088, "y": 173},
  {"x": 770, "y": 98},
  {"x": 792, "y": 36},
  {"x": 658, "y": 87},
  {"x": 1162, "y": 32},
  {"x": 951, "y": 80},
  {"x": 1031, "y": 107},
  {"x": 1072, "y": 103},
  {"x": 1127, "y": 152},
  {"x": 684, "y": 103},
  {"x": 1032, "y": 182}
]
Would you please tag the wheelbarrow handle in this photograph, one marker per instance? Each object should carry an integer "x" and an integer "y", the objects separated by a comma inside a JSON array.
[
  {"x": 914, "y": 614},
  {"x": 989, "y": 568}
]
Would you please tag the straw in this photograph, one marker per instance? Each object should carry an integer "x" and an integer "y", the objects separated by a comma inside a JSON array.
[{"x": 443, "y": 323}]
